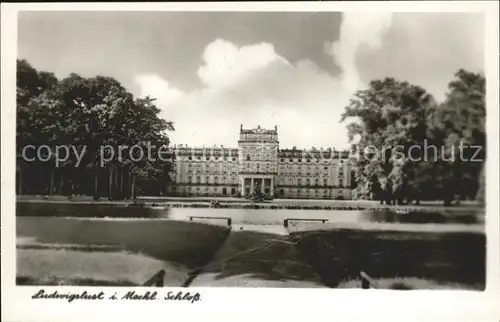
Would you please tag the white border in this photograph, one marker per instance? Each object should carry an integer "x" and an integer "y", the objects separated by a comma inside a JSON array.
[{"x": 246, "y": 304}]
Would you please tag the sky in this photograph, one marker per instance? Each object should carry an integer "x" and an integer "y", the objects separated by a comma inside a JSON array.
[{"x": 212, "y": 71}]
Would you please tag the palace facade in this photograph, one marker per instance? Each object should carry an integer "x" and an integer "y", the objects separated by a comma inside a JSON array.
[{"x": 259, "y": 165}]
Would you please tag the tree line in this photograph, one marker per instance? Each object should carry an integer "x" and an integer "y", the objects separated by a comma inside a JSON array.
[
  {"x": 98, "y": 111},
  {"x": 392, "y": 113},
  {"x": 91, "y": 113}
]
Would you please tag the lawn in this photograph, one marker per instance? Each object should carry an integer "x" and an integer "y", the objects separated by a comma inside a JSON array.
[
  {"x": 91, "y": 251},
  {"x": 424, "y": 256},
  {"x": 73, "y": 267}
]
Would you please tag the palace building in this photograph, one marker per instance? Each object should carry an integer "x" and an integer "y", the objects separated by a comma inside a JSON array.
[{"x": 258, "y": 165}]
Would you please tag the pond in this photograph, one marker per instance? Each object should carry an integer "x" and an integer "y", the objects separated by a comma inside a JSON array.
[
  {"x": 243, "y": 216},
  {"x": 127, "y": 244}
]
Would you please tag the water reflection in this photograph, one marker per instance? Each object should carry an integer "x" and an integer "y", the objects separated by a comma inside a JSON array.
[
  {"x": 243, "y": 216},
  {"x": 467, "y": 217}
]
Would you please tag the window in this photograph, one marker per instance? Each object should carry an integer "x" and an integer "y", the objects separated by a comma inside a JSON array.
[
  {"x": 282, "y": 160},
  {"x": 189, "y": 158},
  {"x": 325, "y": 182},
  {"x": 234, "y": 159},
  {"x": 207, "y": 179},
  {"x": 308, "y": 160},
  {"x": 189, "y": 179},
  {"x": 248, "y": 157},
  {"x": 198, "y": 179},
  {"x": 326, "y": 168}
]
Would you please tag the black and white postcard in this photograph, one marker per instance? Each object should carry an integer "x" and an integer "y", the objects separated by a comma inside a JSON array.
[{"x": 312, "y": 160}]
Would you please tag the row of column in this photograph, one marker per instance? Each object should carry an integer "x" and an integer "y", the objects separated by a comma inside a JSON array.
[{"x": 252, "y": 185}]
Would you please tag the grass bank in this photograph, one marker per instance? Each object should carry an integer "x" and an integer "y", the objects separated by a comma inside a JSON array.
[
  {"x": 447, "y": 256},
  {"x": 176, "y": 246},
  {"x": 61, "y": 266}
]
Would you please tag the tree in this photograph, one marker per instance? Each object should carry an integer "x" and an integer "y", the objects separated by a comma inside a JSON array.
[
  {"x": 481, "y": 193},
  {"x": 391, "y": 113},
  {"x": 389, "y": 118},
  {"x": 35, "y": 117},
  {"x": 458, "y": 126},
  {"x": 86, "y": 114}
]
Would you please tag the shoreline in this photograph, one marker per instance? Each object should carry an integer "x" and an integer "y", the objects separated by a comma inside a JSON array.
[
  {"x": 234, "y": 203},
  {"x": 115, "y": 248}
]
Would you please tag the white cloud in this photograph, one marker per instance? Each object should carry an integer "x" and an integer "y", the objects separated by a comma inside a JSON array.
[
  {"x": 358, "y": 29},
  {"x": 155, "y": 86},
  {"x": 254, "y": 85},
  {"x": 225, "y": 63}
]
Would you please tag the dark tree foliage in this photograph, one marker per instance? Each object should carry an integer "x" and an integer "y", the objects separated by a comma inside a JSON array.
[
  {"x": 409, "y": 145},
  {"x": 87, "y": 114}
]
